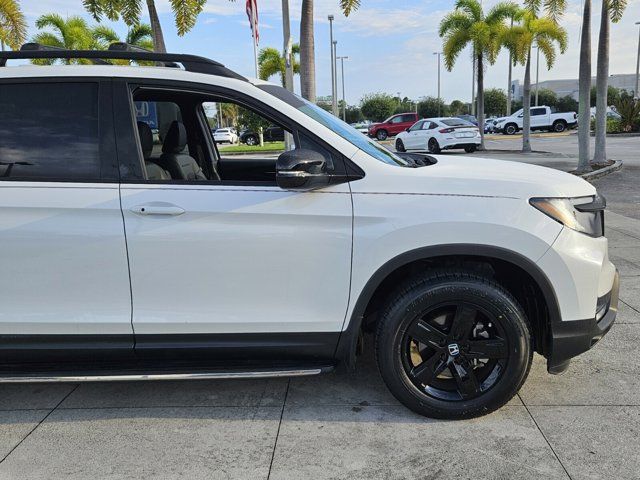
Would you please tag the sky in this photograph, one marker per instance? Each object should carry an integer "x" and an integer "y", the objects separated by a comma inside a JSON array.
[{"x": 390, "y": 44}]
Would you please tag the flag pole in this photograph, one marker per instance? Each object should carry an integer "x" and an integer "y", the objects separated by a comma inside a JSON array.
[{"x": 253, "y": 33}]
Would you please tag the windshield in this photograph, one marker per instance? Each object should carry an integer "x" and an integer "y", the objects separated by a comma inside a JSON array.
[
  {"x": 456, "y": 122},
  {"x": 343, "y": 129}
]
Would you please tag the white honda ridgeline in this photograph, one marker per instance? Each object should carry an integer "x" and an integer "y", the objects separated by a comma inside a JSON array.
[{"x": 123, "y": 258}]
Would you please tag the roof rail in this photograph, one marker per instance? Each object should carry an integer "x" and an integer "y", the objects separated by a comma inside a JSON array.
[
  {"x": 191, "y": 63},
  {"x": 35, "y": 47},
  {"x": 127, "y": 47}
]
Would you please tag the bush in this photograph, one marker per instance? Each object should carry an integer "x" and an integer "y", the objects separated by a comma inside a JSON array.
[
  {"x": 377, "y": 106},
  {"x": 567, "y": 104},
  {"x": 428, "y": 108},
  {"x": 495, "y": 102},
  {"x": 629, "y": 109}
]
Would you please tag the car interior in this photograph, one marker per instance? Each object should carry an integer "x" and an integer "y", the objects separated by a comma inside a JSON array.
[{"x": 183, "y": 149}]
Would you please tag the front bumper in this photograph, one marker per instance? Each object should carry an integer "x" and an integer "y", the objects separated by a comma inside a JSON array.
[{"x": 571, "y": 338}]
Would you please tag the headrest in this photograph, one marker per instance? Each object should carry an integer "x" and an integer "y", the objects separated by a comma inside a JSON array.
[
  {"x": 175, "y": 139},
  {"x": 146, "y": 139}
]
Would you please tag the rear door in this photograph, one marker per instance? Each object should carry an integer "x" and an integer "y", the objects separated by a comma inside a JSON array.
[{"x": 64, "y": 284}]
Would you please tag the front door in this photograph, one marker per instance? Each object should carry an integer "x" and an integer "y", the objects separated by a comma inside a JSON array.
[
  {"x": 64, "y": 286},
  {"x": 229, "y": 263}
]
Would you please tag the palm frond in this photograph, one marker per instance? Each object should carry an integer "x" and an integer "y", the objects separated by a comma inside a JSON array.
[
  {"x": 186, "y": 13},
  {"x": 454, "y": 43},
  {"x": 13, "y": 25},
  {"x": 554, "y": 9},
  {"x": 131, "y": 10},
  {"x": 456, "y": 20},
  {"x": 503, "y": 11},
  {"x": 104, "y": 35},
  {"x": 348, "y": 6},
  {"x": 616, "y": 9},
  {"x": 139, "y": 34},
  {"x": 472, "y": 7}
]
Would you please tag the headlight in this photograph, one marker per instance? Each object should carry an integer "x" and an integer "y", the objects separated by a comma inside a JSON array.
[{"x": 583, "y": 214}]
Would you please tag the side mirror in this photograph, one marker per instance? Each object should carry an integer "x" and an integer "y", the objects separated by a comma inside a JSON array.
[{"x": 301, "y": 169}]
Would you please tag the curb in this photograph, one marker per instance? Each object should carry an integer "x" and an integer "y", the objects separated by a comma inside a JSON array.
[{"x": 602, "y": 171}]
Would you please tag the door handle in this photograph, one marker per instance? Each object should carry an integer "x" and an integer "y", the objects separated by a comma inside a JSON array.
[{"x": 169, "y": 210}]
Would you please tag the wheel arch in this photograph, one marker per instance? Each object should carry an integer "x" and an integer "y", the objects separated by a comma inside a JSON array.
[{"x": 540, "y": 300}]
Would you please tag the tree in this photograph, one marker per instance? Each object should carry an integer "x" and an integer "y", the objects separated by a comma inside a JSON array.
[
  {"x": 139, "y": 35},
  {"x": 468, "y": 25},
  {"x": 611, "y": 12},
  {"x": 377, "y": 106},
  {"x": 71, "y": 34},
  {"x": 547, "y": 97},
  {"x": 432, "y": 107},
  {"x": 185, "y": 13},
  {"x": 404, "y": 105},
  {"x": 584, "y": 87},
  {"x": 495, "y": 102},
  {"x": 458, "y": 107},
  {"x": 353, "y": 114},
  {"x": 545, "y": 33},
  {"x": 13, "y": 25},
  {"x": 629, "y": 109},
  {"x": 272, "y": 62},
  {"x": 307, "y": 53},
  {"x": 567, "y": 104},
  {"x": 613, "y": 95}
]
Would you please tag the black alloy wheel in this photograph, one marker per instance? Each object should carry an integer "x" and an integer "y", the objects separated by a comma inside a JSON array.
[
  {"x": 559, "y": 126},
  {"x": 511, "y": 129},
  {"x": 453, "y": 344},
  {"x": 382, "y": 134},
  {"x": 251, "y": 140},
  {"x": 400, "y": 146},
  {"x": 433, "y": 146},
  {"x": 470, "y": 148}
]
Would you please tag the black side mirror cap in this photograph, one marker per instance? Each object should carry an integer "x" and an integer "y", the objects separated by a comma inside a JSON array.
[{"x": 301, "y": 169}]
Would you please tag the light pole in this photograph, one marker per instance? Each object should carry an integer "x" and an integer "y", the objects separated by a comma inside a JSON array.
[
  {"x": 334, "y": 103},
  {"x": 638, "y": 65},
  {"x": 344, "y": 102},
  {"x": 439, "y": 102},
  {"x": 537, "y": 72},
  {"x": 335, "y": 77}
]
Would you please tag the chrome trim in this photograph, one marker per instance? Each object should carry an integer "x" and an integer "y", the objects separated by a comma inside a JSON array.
[{"x": 162, "y": 376}]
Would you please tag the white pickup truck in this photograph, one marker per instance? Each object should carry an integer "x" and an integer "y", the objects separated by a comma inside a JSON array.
[{"x": 541, "y": 119}]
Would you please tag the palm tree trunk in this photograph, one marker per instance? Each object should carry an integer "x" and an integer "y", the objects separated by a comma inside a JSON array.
[
  {"x": 526, "y": 106},
  {"x": 307, "y": 53},
  {"x": 480, "y": 106},
  {"x": 600, "y": 154},
  {"x": 584, "y": 86},
  {"x": 158, "y": 38}
]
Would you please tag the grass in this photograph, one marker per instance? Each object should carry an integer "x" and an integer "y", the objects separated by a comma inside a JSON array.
[{"x": 268, "y": 147}]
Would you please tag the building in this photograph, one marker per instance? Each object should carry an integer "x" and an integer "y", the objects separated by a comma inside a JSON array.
[{"x": 563, "y": 88}]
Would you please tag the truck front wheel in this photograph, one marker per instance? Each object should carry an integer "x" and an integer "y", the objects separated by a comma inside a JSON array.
[
  {"x": 559, "y": 126},
  {"x": 453, "y": 344}
]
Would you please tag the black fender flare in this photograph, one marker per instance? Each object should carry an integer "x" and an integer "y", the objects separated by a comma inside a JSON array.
[{"x": 348, "y": 341}]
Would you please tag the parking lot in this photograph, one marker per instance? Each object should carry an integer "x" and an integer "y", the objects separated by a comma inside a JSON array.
[{"x": 581, "y": 425}]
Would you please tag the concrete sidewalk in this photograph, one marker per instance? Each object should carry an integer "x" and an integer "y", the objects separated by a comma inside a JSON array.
[{"x": 582, "y": 425}]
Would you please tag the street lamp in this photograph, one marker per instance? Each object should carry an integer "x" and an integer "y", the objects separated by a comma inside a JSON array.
[
  {"x": 344, "y": 102},
  {"x": 638, "y": 65},
  {"x": 334, "y": 102},
  {"x": 439, "y": 102},
  {"x": 335, "y": 77}
]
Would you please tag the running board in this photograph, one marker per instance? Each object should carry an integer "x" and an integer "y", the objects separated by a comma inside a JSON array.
[{"x": 124, "y": 377}]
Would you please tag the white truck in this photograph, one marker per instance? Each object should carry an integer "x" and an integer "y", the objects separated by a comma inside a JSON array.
[{"x": 542, "y": 118}]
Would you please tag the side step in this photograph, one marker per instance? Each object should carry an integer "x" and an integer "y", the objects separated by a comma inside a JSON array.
[{"x": 121, "y": 376}]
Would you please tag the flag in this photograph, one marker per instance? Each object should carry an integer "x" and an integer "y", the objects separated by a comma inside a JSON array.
[{"x": 252, "y": 14}]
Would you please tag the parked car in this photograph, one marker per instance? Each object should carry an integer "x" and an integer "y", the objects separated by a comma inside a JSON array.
[
  {"x": 181, "y": 264},
  {"x": 541, "y": 119},
  {"x": 611, "y": 113},
  {"x": 270, "y": 134},
  {"x": 469, "y": 118},
  {"x": 392, "y": 125},
  {"x": 362, "y": 127},
  {"x": 490, "y": 124},
  {"x": 436, "y": 134},
  {"x": 225, "y": 135}
]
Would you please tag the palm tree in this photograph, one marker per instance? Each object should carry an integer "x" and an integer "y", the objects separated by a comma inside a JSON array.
[
  {"x": 13, "y": 26},
  {"x": 584, "y": 89},
  {"x": 271, "y": 62},
  {"x": 185, "y": 13},
  {"x": 468, "y": 25},
  {"x": 307, "y": 53},
  {"x": 139, "y": 35},
  {"x": 611, "y": 11},
  {"x": 72, "y": 33},
  {"x": 545, "y": 33}
]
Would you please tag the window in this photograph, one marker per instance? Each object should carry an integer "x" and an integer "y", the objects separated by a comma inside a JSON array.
[
  {"x": 417, "y": 126},
  {"x": 432, "y": 125},
  {"x": 456, "y": 122},
  {"x": 398, "y": 119},
  {"x": 408, "y": 118},
  {"x": 538, "y": 111},
  {"x": 49, "y": 132}
]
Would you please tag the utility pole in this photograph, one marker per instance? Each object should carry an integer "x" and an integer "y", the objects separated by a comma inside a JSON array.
[
  {"x": 537, "y": 72},
  {"x": 334, "y": 101},
  {"x": 637, "y": 92},
  {"x": 344, "y": 102},
  {"x": 288, "y": 62},
  {"x": 439, "y": 99},
  {"x": 335, "y": 77}
]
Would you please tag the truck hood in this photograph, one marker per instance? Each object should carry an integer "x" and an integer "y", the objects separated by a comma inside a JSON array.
[{"x": 464, "y": 175}]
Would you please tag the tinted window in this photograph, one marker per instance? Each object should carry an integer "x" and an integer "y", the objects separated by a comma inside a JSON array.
[
  {"x": 456, "y": 122},
  {"x": 49, "y": 131},
  {"x": 538, "y": 111},
  {"x": 417, "y": 126},
  {"x": 398, "y": 119},
  {"x": 408, "y": 118}
]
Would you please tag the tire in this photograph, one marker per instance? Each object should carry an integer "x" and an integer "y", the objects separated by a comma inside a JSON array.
[
  {"x": 400, "y": 146},
  {"x": 433, "y": 146},
  {"x": 559, "y": 126},
  {"x": 251, "y": 140},
  {"x": 382, "y": 134},
  {"x": 510, "y": 129},
  {"x": 458, "y": 316},
  {"x": 470, "y": 148}
]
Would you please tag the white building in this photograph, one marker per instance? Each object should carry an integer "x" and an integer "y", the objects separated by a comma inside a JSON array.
[{"x": 563, "y": 88}]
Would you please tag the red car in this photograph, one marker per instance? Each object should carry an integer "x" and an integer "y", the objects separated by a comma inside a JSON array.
[{"x": 393, "y": 125}]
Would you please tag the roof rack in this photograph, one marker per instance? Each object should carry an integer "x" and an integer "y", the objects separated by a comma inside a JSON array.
[
  {"x": 32, "y": 47},
  {"x": 123, "y": 51}
]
